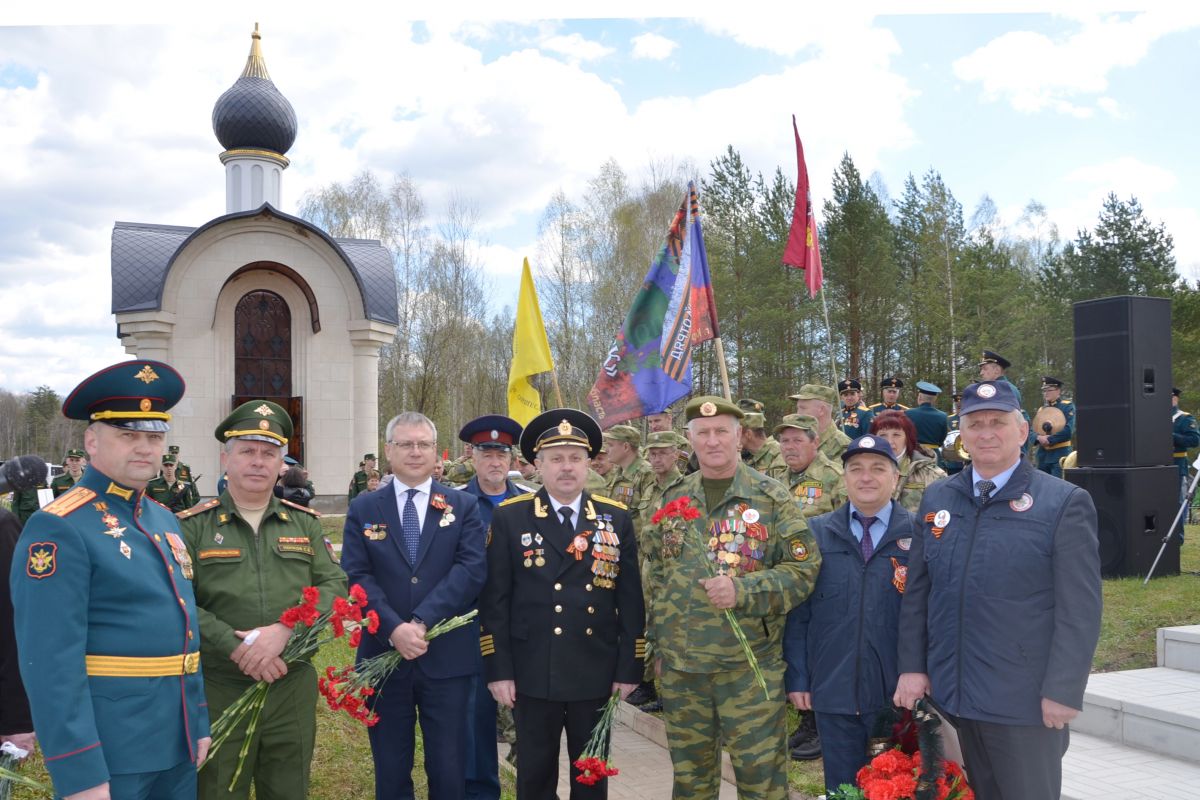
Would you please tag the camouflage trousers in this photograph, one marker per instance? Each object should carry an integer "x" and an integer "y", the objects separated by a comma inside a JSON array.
[{"x": 704, "y": 711}]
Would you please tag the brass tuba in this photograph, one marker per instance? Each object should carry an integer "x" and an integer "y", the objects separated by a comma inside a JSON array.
[{"x": 953, "y": 449}]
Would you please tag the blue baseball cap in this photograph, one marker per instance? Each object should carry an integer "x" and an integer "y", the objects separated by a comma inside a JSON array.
[
  {"x": 989, "y": 396},
  {"x": 870, "y": 444}
]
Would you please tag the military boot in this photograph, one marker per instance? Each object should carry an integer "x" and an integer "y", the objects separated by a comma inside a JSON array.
[{"x": 805, "y": 744}]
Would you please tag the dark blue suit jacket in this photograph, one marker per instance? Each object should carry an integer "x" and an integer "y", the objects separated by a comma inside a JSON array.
[{"x": 444, "y": 582}]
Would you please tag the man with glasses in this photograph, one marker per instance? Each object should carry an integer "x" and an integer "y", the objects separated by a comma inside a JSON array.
[{"x": 419, "y": 552}]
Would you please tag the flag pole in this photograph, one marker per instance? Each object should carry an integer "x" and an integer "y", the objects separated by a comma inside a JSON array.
[
  {"x": 557, "y": 391},
  {"x": 833, "y": 379},
  {"x": 724, "y": 370}
]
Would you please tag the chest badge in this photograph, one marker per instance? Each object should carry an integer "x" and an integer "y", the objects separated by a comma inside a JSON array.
[
  {"x": 126, "y": 550},
  {"x": 905, "y": 543},
  {"x": 527, "y": 539},
  {"x": 941, "y": 519},
  {"x": 750, "y": 516},
  {"x": 1022, "y": 503},
  {"x": 218, "y": 538}
]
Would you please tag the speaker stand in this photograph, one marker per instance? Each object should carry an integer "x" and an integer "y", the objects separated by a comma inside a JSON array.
[{"x": 1183, "y": 507}]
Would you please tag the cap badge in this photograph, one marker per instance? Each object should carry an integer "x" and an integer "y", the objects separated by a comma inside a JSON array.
[
  {"x": 564, "y": 428},
  {"x": 147, "y": 375},
  {"x": 866, "y": 442},
  {"x": 264, "y": 411},
  {"x": 495, "y": 435},
  {"x": 987, "y": 391},
  {"x": 708, "y": 409},
  {"x": 263, "y": 425},
  {"x": 145, "y": 404}
]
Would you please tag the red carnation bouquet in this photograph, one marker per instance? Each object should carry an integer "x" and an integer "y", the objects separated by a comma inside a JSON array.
[
  {"x": 593, "y": 763},
  {"x": 309, "y": 628},
  {"x": 892, "y": 775},
  {"x": 675, "y": 520},
  {"x": 350, "y": 688}
]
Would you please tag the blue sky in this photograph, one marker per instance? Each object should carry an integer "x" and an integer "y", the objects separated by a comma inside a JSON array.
[{"x": 105, "y": 116}]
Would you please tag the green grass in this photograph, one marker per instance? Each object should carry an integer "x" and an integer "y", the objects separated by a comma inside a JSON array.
[{"x": 333, "y": 527}]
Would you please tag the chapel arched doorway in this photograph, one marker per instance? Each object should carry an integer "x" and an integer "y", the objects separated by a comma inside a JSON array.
[{"x": 262, "y": 343}]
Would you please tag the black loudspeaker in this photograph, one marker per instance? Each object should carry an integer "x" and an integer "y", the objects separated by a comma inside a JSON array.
[
  {"x": 1123, "y": 382},
  {"x": 1135, "y": 507}
]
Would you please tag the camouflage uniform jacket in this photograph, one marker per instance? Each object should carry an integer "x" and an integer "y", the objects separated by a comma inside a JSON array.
[
  {"x": 459, "y": 471},
  {"x": 762, "y": 460},
  {"x": 625, "y": 484},
  {"x": 819, "y": 489},
  {"x": 774, "y": 566},
  {"x": 834, "y": 443},
  {"x": 650, "y": 499},
  {"x": 916, "y": 472}
]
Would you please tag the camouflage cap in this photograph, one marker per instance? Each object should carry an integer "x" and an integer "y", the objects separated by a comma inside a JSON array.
[
  {"x": 750, "y": 404},
  {"x": 815, "y": 391},
  {"x": 662, "y": 439},
  {"x": 801, "y": 422},
  {"x": 754, "y": 421},
  {"x": 709, "y": 405},
  {"x": 624, "y": 433}
]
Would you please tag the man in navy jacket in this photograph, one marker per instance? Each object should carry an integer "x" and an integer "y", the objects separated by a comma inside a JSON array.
[
  {"x": 840, "y": 643},
  {"x": 418, "y": 549},
  {"x": 1001, "y": 613}
]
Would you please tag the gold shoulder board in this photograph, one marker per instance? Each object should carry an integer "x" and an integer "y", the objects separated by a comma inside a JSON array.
[
  {"x": 610, "y": 501},
  {"x": 69, "y": 501},
  {"x": 196, "y": 509},
  {"x": 518, "y": 499}
]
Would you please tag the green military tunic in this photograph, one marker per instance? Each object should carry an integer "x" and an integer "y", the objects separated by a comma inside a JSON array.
[
  {"x": 358, "y": 484},
  {"x": 25, "y": 502},
  {"x": 64, "y": 483},
  {"x": 459, "y": 471},
  {"x": 709, "y": 691},
  {"x": 178, "y": 496},
  {"x": 819, "y": 489},
  {"x": 916, "y": 472},
  {"x": 834, "y": 443},
  {"x": 245, "y": 580}
]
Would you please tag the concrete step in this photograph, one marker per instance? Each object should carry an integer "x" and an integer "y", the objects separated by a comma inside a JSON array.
[
  {"x": 1100, "y": 769},
  {"x": 1155, "y": 709},
  {"x": 1179, "y": 647}
]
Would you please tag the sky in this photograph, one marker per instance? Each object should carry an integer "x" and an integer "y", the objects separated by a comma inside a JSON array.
[{"x": 105, "y": 115}]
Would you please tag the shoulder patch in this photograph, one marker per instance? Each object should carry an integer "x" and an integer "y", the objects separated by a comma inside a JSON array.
[
  {"x": 69, "y": 501},
  {"x": 196, "y": 509},
  {"x": 518, "y": 499},
  {"x": 775, "y": 490},
  {"x": 610, "y": 501},
  {"x": 299, "y": 507}
]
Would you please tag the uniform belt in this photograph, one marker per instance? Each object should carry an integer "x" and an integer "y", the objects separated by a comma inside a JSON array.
[
  {"x": 147, "y": 667},
  {"x": 1059, "y": 446},
  {"x": 932, "y": 446},
  {"x": 1179, "y": 455}
]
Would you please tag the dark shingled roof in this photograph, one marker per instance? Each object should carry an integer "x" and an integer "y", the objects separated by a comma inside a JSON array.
[{"x": 142, "y": 255}]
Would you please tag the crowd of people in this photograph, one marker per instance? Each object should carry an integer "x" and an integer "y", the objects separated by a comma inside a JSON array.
[{"x": 847, "y": 562}]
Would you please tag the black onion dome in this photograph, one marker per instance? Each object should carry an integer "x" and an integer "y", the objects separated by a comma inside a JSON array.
[{"x": 253, "y": 113}]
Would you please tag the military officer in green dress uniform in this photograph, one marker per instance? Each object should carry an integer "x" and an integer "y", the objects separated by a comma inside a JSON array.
[
  {"x": 1054, "y": 446},
  {"x": 931, "y": 423},
  {"x": 25, "y": 501},
  {"x": 170, "y": 490},
  {"x": 254, "y": 555},
  {"x": 889, "y": 389},
  {"x": 814, "y": 480},
  {"x": 1184, "y": 436},
  {"x": 182, "y": 471},
  {"x": 358, "y": 484},
  {"x": 759, "y": 450},
  {"x": 749, "y": 552},
  {"x": 104, "y": 614},
  {"x": 562, "y": 606},
  {"x": 856, "y": 417},
  {"x": 630, "y": 473},
  {"x": 814, "y": 400},
  {"x": 74, "y": 461}
]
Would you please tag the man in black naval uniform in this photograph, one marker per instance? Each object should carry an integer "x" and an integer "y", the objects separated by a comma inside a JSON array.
[{"x": 562, "y": 608}]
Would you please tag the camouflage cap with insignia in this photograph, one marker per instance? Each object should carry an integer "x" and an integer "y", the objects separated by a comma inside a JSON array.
[
  {"x": 624, "y": 433},
  {"x": 754, "y": 421},
  {"x": 815, "y": 391},
  {"x": 801, "y": 422},
  {"x": 711, "y": 405},
  {"x": 662, "y": 439},
  {"x": 133, "y": 394},
  {"x": 750, "y": 404},
  {"x": 257, "y": 420}
]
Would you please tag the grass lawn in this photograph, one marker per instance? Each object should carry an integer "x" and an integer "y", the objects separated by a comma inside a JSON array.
[{"x": 1132, "y": 613}]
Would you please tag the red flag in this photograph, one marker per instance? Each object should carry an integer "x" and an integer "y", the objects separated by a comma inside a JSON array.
[{"x": 802, "y": 250}]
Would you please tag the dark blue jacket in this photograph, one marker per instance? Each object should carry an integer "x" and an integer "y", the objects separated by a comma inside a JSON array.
[
  {"x": 1003, "y": 601},
  {"x": 1184, "y": 437},
  {"x": 840, "y": 643},
  {"x": 444, "y": 582},
  {"x": 856, "y": 421},
  {"x": 932, "y": 425},
  {"x": 485, "y": 503}
]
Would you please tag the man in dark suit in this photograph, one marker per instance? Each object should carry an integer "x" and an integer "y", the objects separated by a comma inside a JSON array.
[
  {"x": 1001, "y": 613},
  {"x": 562, "y": 609},
  {"x": 864, "y": 546},
  {"x": 492, "y": 438},
  {"x": 417, "y": 548}
]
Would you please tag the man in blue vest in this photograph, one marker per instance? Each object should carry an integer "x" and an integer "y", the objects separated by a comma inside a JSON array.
[
  {"x": 104, "y": 613},
  {"x": 492, "y": 438}
]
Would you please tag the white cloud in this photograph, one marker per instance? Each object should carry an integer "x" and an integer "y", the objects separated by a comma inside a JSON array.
[
  {"x": 1034, "y": 72},
  {"x": 787, "y": 28},
  {"x": 653, "y": 47},
  {"x": 576, "y": 48}
]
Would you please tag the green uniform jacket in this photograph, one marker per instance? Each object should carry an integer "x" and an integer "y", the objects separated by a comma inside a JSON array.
[
  {"x": 595, "y": 483},
  {"x": 834, "y": 443},
  {"x": 776, "y": 569},
  {"x": 102, "y": 571},
  {"x": 625, "y": 484},
  {"x": 183, "y": 472},
  {"x": 358, "y": 484},
  {"x": 25, "y": 502},
  {"x": 246, "y": 580},
  {"x": 64, "y": 483},
  {"x": 179, "y": 496},
  {"x": 819, "y": 489},
  {"x": 916, "y": 473}
]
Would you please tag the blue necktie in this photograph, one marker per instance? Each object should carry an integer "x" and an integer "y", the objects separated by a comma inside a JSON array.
[
  {"x": 867, "y": 545},
  {"x": 985, "y": 489},
  {"x": 411, "y": 524}
]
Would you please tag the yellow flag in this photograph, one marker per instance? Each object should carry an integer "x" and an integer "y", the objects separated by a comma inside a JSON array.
[{"x": 531, "y": 353}]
